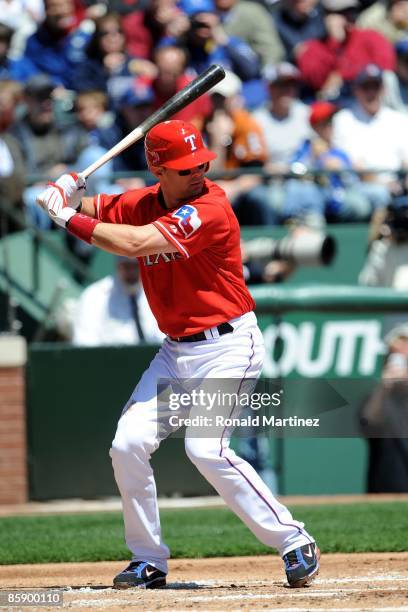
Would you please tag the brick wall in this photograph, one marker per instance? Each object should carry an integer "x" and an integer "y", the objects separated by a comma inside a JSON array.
[{"x": 13, "y": 451}]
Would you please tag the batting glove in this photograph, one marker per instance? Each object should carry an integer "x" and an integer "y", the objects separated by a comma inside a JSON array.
[{"x": 62, "y": 198}]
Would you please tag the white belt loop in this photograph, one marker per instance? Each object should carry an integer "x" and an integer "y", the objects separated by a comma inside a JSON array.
[{"x": 215, "y": 332}]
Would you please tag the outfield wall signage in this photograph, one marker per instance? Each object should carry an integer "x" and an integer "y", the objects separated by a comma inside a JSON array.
[{"x": 319, "y": 348}]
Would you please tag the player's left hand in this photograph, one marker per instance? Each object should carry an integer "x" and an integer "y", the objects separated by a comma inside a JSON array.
[{"x": 62, "y": 198}]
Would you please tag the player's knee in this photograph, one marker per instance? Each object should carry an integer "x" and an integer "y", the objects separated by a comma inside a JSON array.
[
  {"x": 125, "y": 445},
  {"x": 119, "y": 450},
  {"x": 202, "y": 450}
]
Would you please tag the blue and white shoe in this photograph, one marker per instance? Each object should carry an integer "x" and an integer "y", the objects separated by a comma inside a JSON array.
[
  {"x": 302, "y": 565},
  {"x": 141, "y": 575}
]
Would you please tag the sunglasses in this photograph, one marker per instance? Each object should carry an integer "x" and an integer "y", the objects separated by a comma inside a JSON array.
[
  {"x": 370, "y": 85},
  {"x": 190, "y": 170},
  {"x": 112, "y": 32},
  {"x": 349, "y": 13}
]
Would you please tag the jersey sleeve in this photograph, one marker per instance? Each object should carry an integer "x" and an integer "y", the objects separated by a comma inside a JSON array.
[{"x": 194, "y": 227}]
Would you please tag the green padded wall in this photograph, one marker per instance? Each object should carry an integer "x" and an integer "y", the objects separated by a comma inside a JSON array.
[{"x": 74, "y": 399}]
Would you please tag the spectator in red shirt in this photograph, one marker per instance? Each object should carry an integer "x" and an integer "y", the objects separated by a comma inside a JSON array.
[
  {"x": 330, "y": 64},
  {"x": 148, "y": 24}
]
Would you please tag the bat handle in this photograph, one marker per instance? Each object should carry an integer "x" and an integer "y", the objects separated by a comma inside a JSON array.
[{"x": 94, "y": 166}]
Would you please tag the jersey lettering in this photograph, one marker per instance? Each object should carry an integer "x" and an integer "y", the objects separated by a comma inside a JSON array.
[
  {"x": 151, "y": 260},
  {"x": 191, "y": 140},
  {"x": 189, "y": 221}
]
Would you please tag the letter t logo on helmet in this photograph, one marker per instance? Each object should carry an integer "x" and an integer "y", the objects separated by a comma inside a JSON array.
[
  {"x": 191, "y": 140},
  {"x": 177, "y": 145}
]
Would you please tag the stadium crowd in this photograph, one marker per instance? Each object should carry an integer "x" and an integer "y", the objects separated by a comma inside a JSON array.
[{"x": 312, "y": 116}]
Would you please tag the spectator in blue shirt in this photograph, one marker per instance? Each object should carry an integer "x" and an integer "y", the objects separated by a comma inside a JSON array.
[
  {"x": 133, "y": 107},
  {"x": 344, "y": 195},
  {"x": 13, "y": 69},
  {"x": 58, "y": 45},
  {"x": 298, "y": 21},
  {"x": 207, "y": 43}
]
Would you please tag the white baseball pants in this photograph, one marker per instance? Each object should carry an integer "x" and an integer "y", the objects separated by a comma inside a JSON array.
[{"x": 236, "y": 355}]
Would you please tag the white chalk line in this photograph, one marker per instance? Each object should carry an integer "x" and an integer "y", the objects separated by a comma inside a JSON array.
[
  {"x": 107, "y": 603},
  {"x": 304, "y": 593},
  {"x": 98, "y": 603},
  {"x": 88, "y": 603},
  {"x": 170, "y": 585},
  {"x": 309, "y": 594},
  {"x": 376, "y": 578},
  {"x": 225, "y": 583}
]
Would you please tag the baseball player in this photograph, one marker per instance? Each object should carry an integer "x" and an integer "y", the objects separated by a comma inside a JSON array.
[{"x": 187, "y": 240}]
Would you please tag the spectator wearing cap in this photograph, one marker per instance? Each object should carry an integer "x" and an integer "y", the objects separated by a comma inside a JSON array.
[
  {"x": 48, "y": 148},
  {"x": 329, "y": 65},
  {"x": 252, "y": 23},
  {"x": 343, "y": 193},
  {"x": 234, "y": 135},
  {"x": 58, "y": 44},
  {"x": 284, "y": 119},
  {"x": 396, "y": 83},
  {"x": 374, "y": 136},
  {"x": 389, "y": 17},
  {"x": 296, "y": 22},
  {"x": 108, "y": 66},
  {"x": 232, "y": 131},
  {"x": 285, "y": 124},
  {"x": 133, "y": 107},
  {"x": 171, "y": 77},
  {"x": 207, "y": 42}
]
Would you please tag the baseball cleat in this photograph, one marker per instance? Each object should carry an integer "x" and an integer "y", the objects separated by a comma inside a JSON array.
[
  {"x": 141, "y": 575},
  {"x": 302, "y": 565}
]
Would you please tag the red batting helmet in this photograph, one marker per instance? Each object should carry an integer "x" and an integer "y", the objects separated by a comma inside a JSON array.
[{"x": 177, "y": 145}]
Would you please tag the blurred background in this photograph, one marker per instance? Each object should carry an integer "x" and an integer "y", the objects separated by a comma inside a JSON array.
[{"x": 311, "y": 130}]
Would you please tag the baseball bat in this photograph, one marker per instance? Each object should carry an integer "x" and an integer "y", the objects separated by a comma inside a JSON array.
[{"x": 207, "y": 79}]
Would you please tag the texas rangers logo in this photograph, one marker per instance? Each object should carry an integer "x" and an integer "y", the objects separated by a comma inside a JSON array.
[
  {"x": 191, "y": 141},
  {"x": 189, "y": 221}
]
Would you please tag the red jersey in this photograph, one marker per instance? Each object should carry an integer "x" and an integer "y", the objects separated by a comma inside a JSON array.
[{"x": 201, "y": 285}]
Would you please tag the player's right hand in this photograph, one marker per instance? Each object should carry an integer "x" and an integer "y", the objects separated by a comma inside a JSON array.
[{"x": 62, "y": 198}]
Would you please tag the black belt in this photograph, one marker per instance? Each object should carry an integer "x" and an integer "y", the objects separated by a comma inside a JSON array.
[{"x": 224, "y": 328}]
